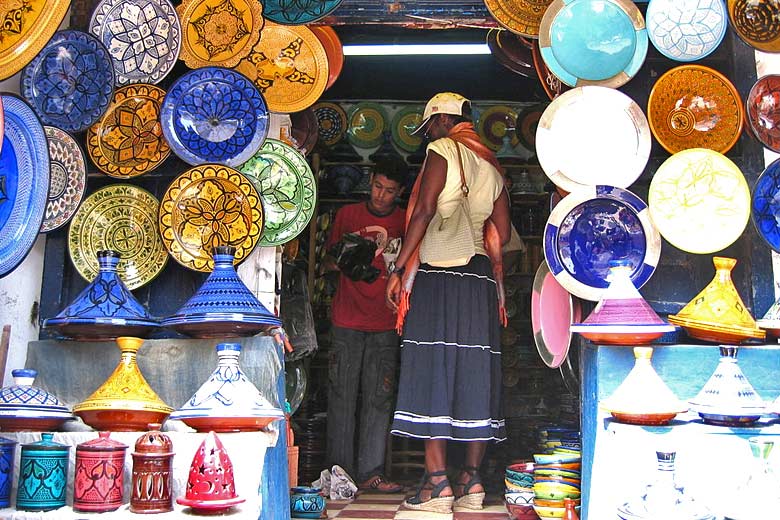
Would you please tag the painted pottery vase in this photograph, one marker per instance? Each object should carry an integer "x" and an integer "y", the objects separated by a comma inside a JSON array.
[
  {"x": 152, "y": 485},
  {"x": 43, "y": 475},
  {"x": 306, "y": 502},
  {"x": 759, "y": 494},
  {"x": 643, "y": 397},
  {"x": 223, "y": 306},
  {"x": 105, "y": 309},
  {"x": 125, "y": 401},
  {"x": 728, "y": 398},
  {"x": 210, "y": 486},
  {"x": 228, "y": 400},
  {"x": 7, "y": 453},
  {"x": 717, "y": 313},
  {"x": 24, "y": 407},
  {"x": 99, "y": 475}
]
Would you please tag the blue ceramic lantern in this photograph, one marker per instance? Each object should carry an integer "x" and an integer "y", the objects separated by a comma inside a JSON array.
[
  {"x": 306, "y": 502},
  {"x": 43, "y": 475},
  {"x": 7, "y": 451}
]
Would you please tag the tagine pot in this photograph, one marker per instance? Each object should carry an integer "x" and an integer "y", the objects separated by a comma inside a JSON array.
[
  {"x": 211, "y": 485},
  {"x": 125, "y": 401},
  {"x": 24, "y": 407}
]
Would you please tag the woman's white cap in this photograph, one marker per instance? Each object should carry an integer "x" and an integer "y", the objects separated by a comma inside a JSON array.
[{"x": 442, "y": 103}]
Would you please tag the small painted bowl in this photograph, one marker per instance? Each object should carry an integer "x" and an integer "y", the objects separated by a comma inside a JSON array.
[
  {"x": 554, "y": 503},
  {"x": 542, "y": 473},
  {"x": 556, "y": 458},
  {"x": 574, "y": 482},
  {"x": 564, "y": 465},
  {"x": 555, "y": 491},
  {"x": 520, "y": 498},
  {"x": 512, "y": 487},
  {"x": 519, "y": 468},
  {"x": 552, "y": 512},
  {"x": 521, "y": 512}
]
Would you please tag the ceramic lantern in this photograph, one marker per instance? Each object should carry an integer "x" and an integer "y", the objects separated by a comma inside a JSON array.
[
  {"x": 152, "y": 486},
  {"x": 99, "y": 475},
  {"x": 211, "y": 485},
  {"x": 43, "y": 475}
]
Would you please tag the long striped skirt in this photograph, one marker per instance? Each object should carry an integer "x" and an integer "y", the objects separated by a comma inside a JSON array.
[{"x": 450, "y": 381}]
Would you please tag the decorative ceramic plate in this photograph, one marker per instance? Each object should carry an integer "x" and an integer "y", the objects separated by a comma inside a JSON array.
[
  {"x": 590, "y": 228},
  {"x": 686, "y": 30},
  {"x": 367, "y": 125},
  {"x": 406, "y": 121},
  {"x": 692, "y": 106},
  {"x": 286, "y": 184},
  {"x": 519, "y": 16},
  {"x": 30, "y": 24},
  {"x": 24, "y": 182},
  {"x": 67, "y": 178},
  {"x": 214, "y": 115},
  {"x": 343, "y": 178},
  {"x": 512, "y": 51},
  {"x": 128, "y": 140},
  {"x": 331, "y": 122},
  {"x": 763, "y": 111},
  {"x": 142, "y": 36},
  {"x": 604, "y": 132},
  {"x": 70, "y": 82},
  {"x": 122, "y": 218},
  {"x": 207, "y": 206},
  {"x": 298, "y": 12},
  {"x": 304, "y": 130},
  {"x": 289, "y": 66},
  {"x": 218, "y": 32},
  {"x": 699, "y": 201},
  {"x": 526, "y": 124},
  {"x": 333, "y": 49},
  {"x": 553, "y": 310},
  {"x": 593, "y": 42},
  {"x": 551, "y": 84},
  {"x": 766, "y": 205},
  {"x": 494, "y": 123},
  {"x": 757, "y": 23}
]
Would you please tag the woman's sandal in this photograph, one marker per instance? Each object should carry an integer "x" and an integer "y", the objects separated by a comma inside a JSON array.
[
  {"x": 470, "y": 500},
  {"x": 437, "y": 503}
]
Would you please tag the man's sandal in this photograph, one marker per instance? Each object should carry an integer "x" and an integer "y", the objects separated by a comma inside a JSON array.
[
  {"x": 380, "y": 484},
  {"x": 437, "y": 503},
  {"x": 470, "y": 500}
]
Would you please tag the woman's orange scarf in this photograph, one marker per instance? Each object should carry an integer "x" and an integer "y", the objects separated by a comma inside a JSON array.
[{"x": 461, "y": 133}]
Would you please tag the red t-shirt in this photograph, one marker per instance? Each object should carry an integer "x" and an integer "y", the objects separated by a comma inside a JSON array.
[{"x": 361, "y": 305}]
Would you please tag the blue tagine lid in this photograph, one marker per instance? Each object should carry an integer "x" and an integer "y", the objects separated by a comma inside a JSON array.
[
  {"x": 223, "y": 306},
  {"x": 24, "y": 407},
  {"x": 105, "y": 309}
]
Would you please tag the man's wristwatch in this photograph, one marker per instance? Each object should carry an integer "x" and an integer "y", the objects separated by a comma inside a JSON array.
[{"x": 392, "y": 268}]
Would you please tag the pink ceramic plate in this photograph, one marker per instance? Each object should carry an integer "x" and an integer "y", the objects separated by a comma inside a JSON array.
[{"x": 553, "y": 310}]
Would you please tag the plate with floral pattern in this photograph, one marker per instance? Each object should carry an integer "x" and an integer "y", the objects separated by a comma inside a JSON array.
[
  {"x": 286, "y": 184},
  {"x": 31, "y": 24},
  {"x": 122, "y": 218},
  {"x": 128, "y": 140},
  {"x": 67, "y": 178},
  {"x": 298, "y": 12},
  {"x": 686, "y": 30},
  {"x": 207, "y": 206}
]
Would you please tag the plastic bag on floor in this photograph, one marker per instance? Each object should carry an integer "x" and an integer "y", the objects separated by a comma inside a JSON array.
[{"x": 336, "y": 484}]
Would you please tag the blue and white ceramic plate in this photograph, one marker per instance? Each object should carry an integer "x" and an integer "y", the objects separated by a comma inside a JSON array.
[
  {"x": 593, "y": 226},
  {"x": 686, "y": 30},
  {"x": 24, "y": 182},
  {"x": 67, "y": 178},
  {"x": 214, "y": 115},
  {"x": 142, "y": 36},
  {"x": 298, "y": 12},
  {"x": 765, "y": 205},
  {"x": 70, "y": 83},
  {"x": 593, "y": 42}
]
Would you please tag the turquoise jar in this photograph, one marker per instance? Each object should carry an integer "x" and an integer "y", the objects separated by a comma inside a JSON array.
[
  {"x": 306, "y": 502},
  {"x": 43, "y": 475}
]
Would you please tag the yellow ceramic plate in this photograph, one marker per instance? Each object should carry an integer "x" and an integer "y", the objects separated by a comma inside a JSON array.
[
  {"x": 495, "y": 123},
  {"x": 519, "y": 16},
  {"x": 289, "y": 66},
  {"x": 699, "y": 201},
  {"x": 128, "y": 140},
  {"x": 206, "y": 206},
  {"x": 218, "y": 32},
  {"x": 27, "y": 26}
]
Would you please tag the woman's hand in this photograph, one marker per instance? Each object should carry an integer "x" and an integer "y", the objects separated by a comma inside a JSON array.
[{"x": 393, "y": 292}]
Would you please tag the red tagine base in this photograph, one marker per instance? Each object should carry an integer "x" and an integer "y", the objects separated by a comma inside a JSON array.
[
  {"x": 644, "y": 419},
  {"x": 622, "y": 338},
  {"x": 121, "y": 420},
  {"x": 228, "y": 424},
  {"x": 31, "y": 424}
]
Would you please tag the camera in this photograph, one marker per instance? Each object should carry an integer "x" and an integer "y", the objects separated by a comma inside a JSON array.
[{"x": 354, "y": 255}]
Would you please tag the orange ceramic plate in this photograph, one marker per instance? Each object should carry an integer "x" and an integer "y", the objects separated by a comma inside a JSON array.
[
  {"x": 521, "y": 17},
  {"x": 30, "y": 25},
  {"x": 330, "y": 40}
]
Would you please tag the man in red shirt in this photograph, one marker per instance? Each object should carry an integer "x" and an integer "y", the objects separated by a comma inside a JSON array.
[{"x": 364, "y": 347}]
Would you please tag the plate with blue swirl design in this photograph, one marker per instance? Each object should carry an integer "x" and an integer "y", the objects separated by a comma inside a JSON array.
[{"x": 765, "y": 205}]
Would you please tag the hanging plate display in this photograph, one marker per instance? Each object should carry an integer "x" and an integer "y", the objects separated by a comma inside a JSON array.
[
  {"x": 122, "y": 218},
  {"x": 553, "y": 310},
  {"x": 512, "y": 51},
  {"x": 757, "y": 23},
  {"x": 142, "y": 36},
  {"x": 208, "y": 206},
  {"x": 494, "y": 123},
  {"x": 763, "y": 111},
  {"x": 367, "y": 125},
  {"x": 28, "y": 26},
  {"x": 333, "y": 49},
  {"x": 593, "y": 42},
  {"x": 298, "y": 12},
  {"x": 406, "y": 121},
  {"x": 331, "y": 122},
  {"x": 686, "y": 30},
  {"x": 128, "y": 140},
  {"x": 70, "y": 82},
  {"x": 24, "y": 182},
  {"x": 522, "y": 17},
  {"x": 67, "y": 178},
  {"x": 286, "y": 184},
  {"x": 218, "y": 32},
  {"x": 699, "y": 201},
  {"x": 692, "y": 106},
  {"x": 289, "y": 66},
  {"x": 526, "y": 124},
  {"x": 605, "y": 133},
  {"x": 214, "y": 115},
  {"x": 552, "y": 86},
  {"x": 590, "y": 228},
  {"x": 765, "y": 209},
  {"x": 304, "y": 130}
]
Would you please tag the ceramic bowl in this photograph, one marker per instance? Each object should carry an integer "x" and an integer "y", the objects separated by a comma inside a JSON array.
[
  {"x": 554, "y": 503},
  {"x": 555, "y": 491},
  {"x": 755, "y": 22},
  {"x": 513, "y": 487},
  {"x": 519, "y": 512},
  {"x": 517, "y": 470},
  {"x": 551, "y": 512},
  {"x": 521, "y": 498},
  {"x": 556, "y": 458},
  {"x": 573, "y": 482},
  {"x": 572, "y": 466},
  {"x": 557, "y": 473},
  {"x": 763, "y": 111}
]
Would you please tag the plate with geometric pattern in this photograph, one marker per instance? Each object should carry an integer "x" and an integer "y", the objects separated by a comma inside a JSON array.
[
  {"x": 298, "y": 12},
  {"x": 331, "y": 122},
  {"x": 67, "y": 178},
  {"x": 686, "y": 30},
  {"x": 765, "y": 205}
]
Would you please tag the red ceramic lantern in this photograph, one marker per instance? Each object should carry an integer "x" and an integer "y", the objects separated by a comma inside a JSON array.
[
  {"x": 152, "y": 473},
  {"x": 100, "y": 466},
  {"x": 211, "y": 486}
]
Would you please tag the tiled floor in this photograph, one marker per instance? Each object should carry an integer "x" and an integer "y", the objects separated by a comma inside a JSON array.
[{"x": 373, "y": 506}]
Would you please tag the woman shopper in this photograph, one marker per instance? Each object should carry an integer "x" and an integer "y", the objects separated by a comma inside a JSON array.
[{"x": 449, "y": 297}]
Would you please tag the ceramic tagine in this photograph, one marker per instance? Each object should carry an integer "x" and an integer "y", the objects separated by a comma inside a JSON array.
[
  {"x": 717, "y": 313},
  {"x": 211, "y": 485},
  {"x": 24, "y": 407},
  {"x": 771, "y": 320},
  {"x": 105, "y": 309},
  {"x": 728, "y": 398},
  {"x": 643, "y": 397},
  {"x": 125, "y": 401},
  {"x": 622, "y": 317},
  {"x": 223, "y": 306},
  {"x": 228, "y": 401}
]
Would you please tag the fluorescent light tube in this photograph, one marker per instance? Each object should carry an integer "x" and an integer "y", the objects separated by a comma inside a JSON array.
[{"x": 416, "y": 50}]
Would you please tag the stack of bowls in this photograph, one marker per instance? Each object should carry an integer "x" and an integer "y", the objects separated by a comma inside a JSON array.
[
  {"x": 519, "y": 496},
  {"x": 557, "y": 477}
]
